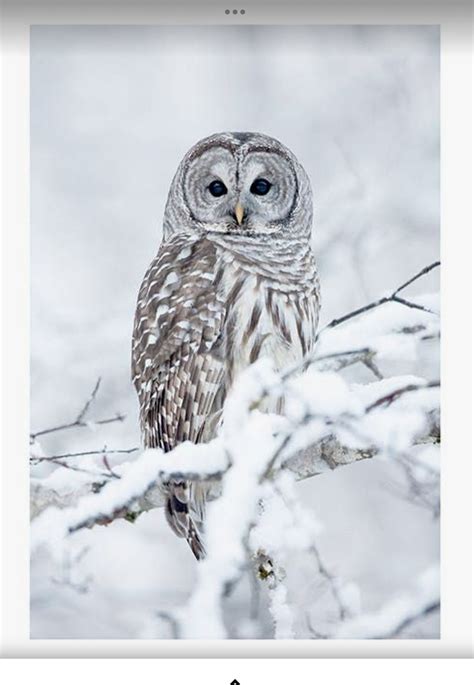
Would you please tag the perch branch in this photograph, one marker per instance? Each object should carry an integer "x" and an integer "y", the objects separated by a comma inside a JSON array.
[{"x": 325, "y": 455}]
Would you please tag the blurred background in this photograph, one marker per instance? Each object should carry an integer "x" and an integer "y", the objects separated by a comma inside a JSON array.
[{"x": 113, "y": 110}]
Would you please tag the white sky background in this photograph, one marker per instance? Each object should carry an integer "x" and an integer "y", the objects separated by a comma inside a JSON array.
[{"x": 113, "y": 110}]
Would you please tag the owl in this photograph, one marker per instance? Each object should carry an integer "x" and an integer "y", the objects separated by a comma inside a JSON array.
[{"x": 234, "y": 280}]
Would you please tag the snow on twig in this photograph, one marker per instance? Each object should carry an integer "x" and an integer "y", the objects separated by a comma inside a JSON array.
[
  {"x": 398, "y": 614},
  {"x": 119, "y": 496},
  {"x": 281, "y": 612}
]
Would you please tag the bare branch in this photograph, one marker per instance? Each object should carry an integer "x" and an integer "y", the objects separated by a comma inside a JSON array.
[
  {"x": 90, "y": 472},
  {"x": 412, "y": 305},
  {"x": 391, "y": 397},
  {"x": 171, "y": 621},
  {"x": 332, "y": 583},
  {"x": 372, "y": 366},
  {"x": 410, "y": 620},
  {"x": 77, "y": 424},
  {"x": 82, "y": 414},
  {"x": 80, "y": 421},
  {"x": 423, "y": 272},
  {"x": 56, "y": 457},
  {"x": 340, "y": 360},
  {"x": 383, "y": 300}
]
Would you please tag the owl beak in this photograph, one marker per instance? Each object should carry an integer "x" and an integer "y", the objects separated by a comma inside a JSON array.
[{"x": 239, "y": 213}]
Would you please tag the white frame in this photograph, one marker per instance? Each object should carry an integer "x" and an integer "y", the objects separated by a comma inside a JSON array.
[{"x": 456, "y": 616}]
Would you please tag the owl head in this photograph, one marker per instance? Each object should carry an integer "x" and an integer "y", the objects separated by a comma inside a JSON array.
[{"x": 243, "y": 184}]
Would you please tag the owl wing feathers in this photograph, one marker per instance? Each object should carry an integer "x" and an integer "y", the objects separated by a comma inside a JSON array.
[
  {"x": 177, "y": 368},
  {"x": 176, "y": 362}
]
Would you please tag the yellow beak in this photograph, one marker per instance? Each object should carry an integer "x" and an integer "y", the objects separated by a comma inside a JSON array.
[{"x": 239, "y": 213}]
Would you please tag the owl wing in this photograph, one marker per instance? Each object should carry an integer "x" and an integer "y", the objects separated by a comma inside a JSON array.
[{"x": 177, "y": 367}]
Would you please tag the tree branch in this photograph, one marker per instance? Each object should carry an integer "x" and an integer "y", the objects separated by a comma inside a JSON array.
[
  {"x": 325, "y": 455},
  {"x": 396, "y": 615},
  {"x": 79, "y": 421},
  {"x": 383, "y": 300},
  {"x": 89, "y": 453}
]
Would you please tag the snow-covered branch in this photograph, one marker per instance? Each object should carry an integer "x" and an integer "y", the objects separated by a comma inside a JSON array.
[
  {"x": 200, "y": 462},
  {"x": 398, "y": 614}
]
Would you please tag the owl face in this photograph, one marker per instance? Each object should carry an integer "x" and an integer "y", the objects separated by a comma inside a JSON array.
[
  {"x": 226, "y": 191},
  {"x": 240, "y": 183}
]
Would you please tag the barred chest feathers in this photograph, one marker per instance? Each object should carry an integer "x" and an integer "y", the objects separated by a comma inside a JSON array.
[{"x": 272, "y": 310}]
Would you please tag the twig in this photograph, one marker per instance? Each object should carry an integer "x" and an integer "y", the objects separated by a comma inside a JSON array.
[
  {"x": 372, "y": 366},
  {"x": 336, "y": 361},
  {"x": 77, "y": 424},
  {"x": 392, "y": 396},
  {"x": 80, "y": 422},
  {"x": 414, "y": 278},
  {"x": 423, "y": 492},
  {"x": 431, "y": 608},
  {"x": 55, "y": 457},
  {"x": 171, "y": 621},
  {"x": 383, "y": 300},
  {"x": 332, "y": 582},
  {"x": 82, "y": 414},
  {"x": 355, "y": 628},
  {"x": 78, "y": 469},
  {"x": 107, "y": 465},
  {"x": 310, "y": 358}
]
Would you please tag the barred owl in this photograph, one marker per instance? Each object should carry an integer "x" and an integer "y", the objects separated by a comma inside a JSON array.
[{"x": 234, "y": 279}]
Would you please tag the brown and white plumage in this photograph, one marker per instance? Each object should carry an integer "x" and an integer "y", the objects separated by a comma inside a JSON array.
[{"x": 226, "y": 287}]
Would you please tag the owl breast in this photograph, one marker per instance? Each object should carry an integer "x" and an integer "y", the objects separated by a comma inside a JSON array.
[{"x": 267, "y": 316}]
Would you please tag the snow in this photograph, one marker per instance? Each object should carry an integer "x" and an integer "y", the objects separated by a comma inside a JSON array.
[
  {"x": 326, "y": 394},
  {"x": 283, "y": 524},
  {"x": 392, "y": 616},
  {"x": 281, "y": 613},
  {"x": 53, "y": 525},
  {"x": 429, "y": 458},
  {"x": 36, "y": 450}
]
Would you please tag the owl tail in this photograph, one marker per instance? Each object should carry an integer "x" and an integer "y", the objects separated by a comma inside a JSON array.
[{"x": 185, "y": 513}]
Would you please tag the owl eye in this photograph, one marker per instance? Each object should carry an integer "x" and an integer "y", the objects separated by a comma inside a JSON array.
[
  {"x": 217, "y": 188},
  {"x": 260, "y": 186}
]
